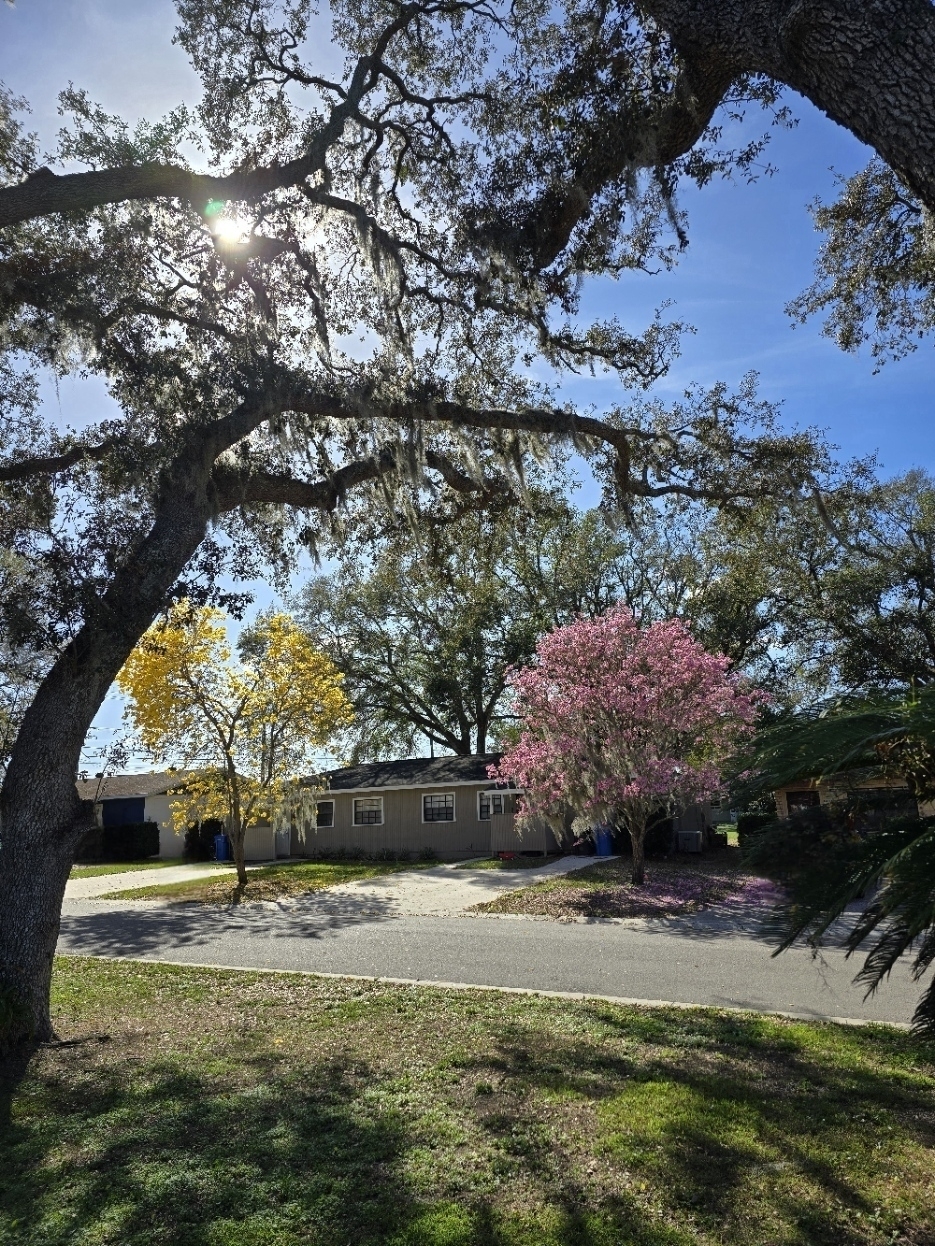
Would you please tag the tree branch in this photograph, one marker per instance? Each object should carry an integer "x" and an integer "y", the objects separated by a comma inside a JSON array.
[
  {"x": 868, "y": 66},
  {"x": 234, "y": 488},
  {"x": 44, "y": 193},
  {"x": 48, "y": 465}
]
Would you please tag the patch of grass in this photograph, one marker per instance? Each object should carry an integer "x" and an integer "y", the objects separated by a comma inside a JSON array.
[
  {"x": 124, "y": 867},
  {"x": 268, "y": 882},
  {"x": 673, "y": 886},
  {"x": 518, "y": 863},
  {"x": 205, "y": 1108}
]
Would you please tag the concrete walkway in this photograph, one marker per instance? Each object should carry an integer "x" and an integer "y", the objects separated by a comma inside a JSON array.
[{"x": 104, "y": 884}]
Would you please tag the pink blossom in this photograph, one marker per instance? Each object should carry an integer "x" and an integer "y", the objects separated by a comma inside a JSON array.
[{"x": 618, "y": 720}]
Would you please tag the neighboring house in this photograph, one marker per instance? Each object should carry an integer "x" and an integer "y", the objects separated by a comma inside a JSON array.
[
  {"x": 123, "y": 798},
  {"x": 809, "y": 794},
  {"x": 444, "y": 804}
]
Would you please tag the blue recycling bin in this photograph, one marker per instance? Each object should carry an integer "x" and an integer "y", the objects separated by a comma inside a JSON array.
[
  {"x": 222, "y": 848},
  {"x": 602, "y": 841}
]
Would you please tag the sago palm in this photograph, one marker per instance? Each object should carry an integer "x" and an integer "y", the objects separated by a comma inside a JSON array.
[{"x": 854, "y": 847}]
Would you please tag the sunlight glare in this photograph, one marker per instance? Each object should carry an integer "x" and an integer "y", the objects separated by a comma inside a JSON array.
[{"x": 229, "y": 229}]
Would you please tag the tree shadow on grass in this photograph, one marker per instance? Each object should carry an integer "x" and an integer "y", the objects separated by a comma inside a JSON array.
[
  {"x": 726, "y": 1147},
  {"x": 149, "y": 1152},
  {"x": 242, "y": 1143}
]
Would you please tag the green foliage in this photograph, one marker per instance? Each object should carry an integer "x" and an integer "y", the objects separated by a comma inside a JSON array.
[
  {"x": 748, "y": 824},
  {"x": 426, "y": 635},
  {"x": 854, "y": 846},
  {"x": 131, "y": 842},
  {"x": 875, "y": 272}
]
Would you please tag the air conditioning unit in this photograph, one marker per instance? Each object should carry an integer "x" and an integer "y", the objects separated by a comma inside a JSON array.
[{"x": 689, "y": 841}]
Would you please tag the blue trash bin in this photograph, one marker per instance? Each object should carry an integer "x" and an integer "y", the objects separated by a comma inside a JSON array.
[
  {"x": 222, "y": 848},
  {"x": 602, "y": 841}
]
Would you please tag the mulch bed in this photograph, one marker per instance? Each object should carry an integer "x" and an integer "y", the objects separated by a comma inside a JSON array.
[{"x": 672, "y": 887}]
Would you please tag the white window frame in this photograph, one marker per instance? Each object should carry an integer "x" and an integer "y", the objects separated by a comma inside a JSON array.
[
  {"x": 354, "y": 811},
  {"x": 325, "y": 825},
  {"x": 440, "y": 821},
  {"x": 504, "y": 796}
]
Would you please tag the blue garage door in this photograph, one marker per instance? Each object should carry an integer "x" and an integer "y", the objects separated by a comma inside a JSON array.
[{"x": 118, "y": 812}]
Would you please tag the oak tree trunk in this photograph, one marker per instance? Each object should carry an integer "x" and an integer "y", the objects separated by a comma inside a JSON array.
[
  {"x": 41, "y": 818},
  {"x": 869, "y": 65}
]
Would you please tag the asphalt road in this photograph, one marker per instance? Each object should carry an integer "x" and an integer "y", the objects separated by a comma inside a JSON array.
[{"x": 702, "y": 959}]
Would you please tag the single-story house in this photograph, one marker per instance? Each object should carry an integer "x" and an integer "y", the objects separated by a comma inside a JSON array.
[
  {"x": 123, "y": 798},
  {"x": 810, "y": 793},
  {"x": 444, "y": 804}
]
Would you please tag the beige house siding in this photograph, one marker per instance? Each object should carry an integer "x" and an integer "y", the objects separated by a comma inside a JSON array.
[
  {"x": 157, "y": 810},
  {"x": 403, "y": 830},
  {"x": 828, "y": 792},
  {"x": 259, "y": 843},
  {"x": 505, "y": 837}
]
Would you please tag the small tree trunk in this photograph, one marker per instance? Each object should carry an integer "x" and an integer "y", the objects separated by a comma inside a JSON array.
[
  {"x": 238, "y": 834},
  {"x": 238, "y": 822},
  {"x": 637, "y": 840}
]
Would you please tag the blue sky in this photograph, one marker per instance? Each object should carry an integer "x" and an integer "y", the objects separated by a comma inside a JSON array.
[{"x": 751, "y": 248}]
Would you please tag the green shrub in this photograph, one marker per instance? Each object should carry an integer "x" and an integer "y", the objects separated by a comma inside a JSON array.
[
  {"x": 428, "y": 854},
  {"x": 133, "y": 841},
  {"x": 748, "y": 824}
]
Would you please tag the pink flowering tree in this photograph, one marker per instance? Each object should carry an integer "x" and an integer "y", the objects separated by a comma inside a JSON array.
[{"x": 618, "y": 720}]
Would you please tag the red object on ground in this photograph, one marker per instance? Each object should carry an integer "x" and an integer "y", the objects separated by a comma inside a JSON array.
[{"x": 507, "y": 856}]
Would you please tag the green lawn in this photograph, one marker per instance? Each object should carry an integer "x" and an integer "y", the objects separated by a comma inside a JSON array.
[
  {"x": 518, "y": 863},
  {"x": 269, "y": 882},
  {"x": 204, "y": 1108},
  {"x": 123, "y": 867}
]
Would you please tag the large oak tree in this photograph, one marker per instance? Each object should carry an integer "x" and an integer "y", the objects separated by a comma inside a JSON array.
[{"x": 299, "y": 333}]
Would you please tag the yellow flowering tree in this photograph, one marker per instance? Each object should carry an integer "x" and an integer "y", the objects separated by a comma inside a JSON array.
[{"x": 255, "y": 722}]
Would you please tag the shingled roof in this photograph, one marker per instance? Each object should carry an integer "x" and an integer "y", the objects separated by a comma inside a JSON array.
[
  {"x": 156, "y": 783},
  {"x": 413, "y": 772}
]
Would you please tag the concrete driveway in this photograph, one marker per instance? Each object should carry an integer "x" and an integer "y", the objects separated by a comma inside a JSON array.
[{"x": 444, "y": 889}]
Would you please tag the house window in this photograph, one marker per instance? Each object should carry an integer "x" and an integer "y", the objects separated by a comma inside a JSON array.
[
  {"x": 438, "y": 808},
  {"x": 325, "y": 813},
  {"x": 368, "y": 811},
  {"x": 802, "y": 800},
  {"x": 491, "y": 804}
]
